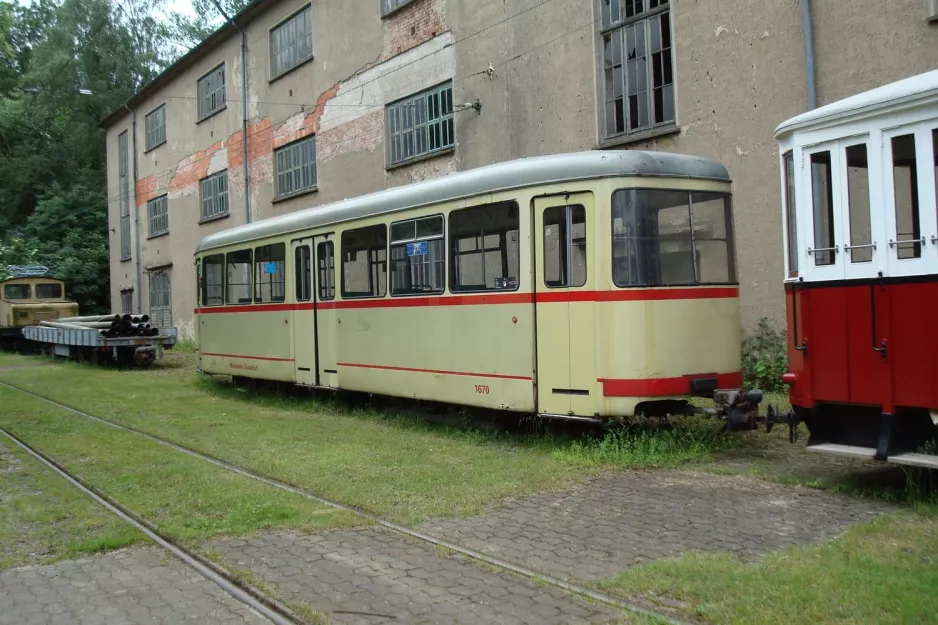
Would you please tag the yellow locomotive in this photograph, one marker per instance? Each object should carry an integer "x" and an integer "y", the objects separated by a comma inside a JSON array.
[{"x": 28, "y": 298}]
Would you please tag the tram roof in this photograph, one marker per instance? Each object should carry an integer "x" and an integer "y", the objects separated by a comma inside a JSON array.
[
  {"x": 909, "y": 90},
  {"x": 516, "y": 174}
]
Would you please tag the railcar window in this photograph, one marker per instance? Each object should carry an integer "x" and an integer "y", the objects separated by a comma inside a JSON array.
[
  {"x": 672, "y": 238},
  {"x": 791, "y": 220},
  {"x": 905, "y": 179},
  {"x": 270, "y": 273},
  {"x": 565, "y": 246},
  {"x": 484, "y": 248},
  {"x": 325, "y": 252},
  {"x": 365, "y": 262},
  {"x": 858, "y": 203},
  {"x": 822, "y": 186},
  {"x": 238, "y": 283},
  {"x": 418, "y": 259},
  {"x": 127, "y": 302},
  {"x": 302, "y": 273},
  {"x": 17, "y": 291},
  {"x": 49, "y": 290},
  {"x": 213, "y": 280}
]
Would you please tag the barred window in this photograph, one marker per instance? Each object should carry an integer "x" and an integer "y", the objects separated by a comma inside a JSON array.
[
  {"x": 364, "y": 262},
  {"x": 325, "y": 253},
  {"x": 270, "y": 273},
  {"x": 238, "y": 282},
  {"x": 211, "y": 88},
  {"x": 155, "y": 123},
  {"x": 214, "y": 195},
  {"x": 295, "y": 166},
  {"x": 421, "y": 124},
  {"x": 158, "y": 216},
  {"x": 124, "y": 190},
  {"x": 213, "y": 280},
  {"x": 291, "y": 42},
  {"x": 161, "y": 312},
  {"x": 638, "y": 66},
  {"x": 417, "y": 256},
  {"x": 127, "y": 302},
  {"x": 389, "y": 6},
  {"x": 484, "y": 248}
]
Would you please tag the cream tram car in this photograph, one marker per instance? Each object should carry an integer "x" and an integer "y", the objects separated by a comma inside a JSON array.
[
  {"x": 583, "y": 285},
  {"x": 861, "y": 242}
]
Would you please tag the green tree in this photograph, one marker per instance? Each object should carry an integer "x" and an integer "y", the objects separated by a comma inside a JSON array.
[{"x": 187, "y": 32}]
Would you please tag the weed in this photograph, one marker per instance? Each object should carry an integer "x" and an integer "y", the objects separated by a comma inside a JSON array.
[{"x": 765, "y": 357}]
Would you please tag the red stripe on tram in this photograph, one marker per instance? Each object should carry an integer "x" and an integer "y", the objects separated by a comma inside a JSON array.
[{"x": 658, "y": 387}]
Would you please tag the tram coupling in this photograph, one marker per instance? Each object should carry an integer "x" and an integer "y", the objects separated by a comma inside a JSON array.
[
  {"x": 790, "y": 418},
  {"x": 738, "y": 408}
]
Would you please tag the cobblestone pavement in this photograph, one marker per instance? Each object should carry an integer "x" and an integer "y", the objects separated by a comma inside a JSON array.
[
  {"x": 125, "y": 587},
  {"x": 372, "y": 576},
  {"x": 599, "y": 528}
]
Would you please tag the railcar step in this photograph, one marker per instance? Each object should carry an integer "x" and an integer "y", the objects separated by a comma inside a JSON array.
[{"x": 905, "y": 458}]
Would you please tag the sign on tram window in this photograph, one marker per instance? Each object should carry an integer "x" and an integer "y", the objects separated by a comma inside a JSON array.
[
  {"x": 270, "y": 273},
  {"x": 484, "y": 249},
  {"x": 417, "y": 256}
]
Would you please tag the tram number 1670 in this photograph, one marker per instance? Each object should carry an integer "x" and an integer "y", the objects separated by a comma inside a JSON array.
[{"x": 482, "y": 389}]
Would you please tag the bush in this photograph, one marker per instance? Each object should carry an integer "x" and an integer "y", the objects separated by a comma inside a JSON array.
[{"x": 765, "y": 358}]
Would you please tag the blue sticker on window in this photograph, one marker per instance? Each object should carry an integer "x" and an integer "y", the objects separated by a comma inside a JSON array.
[
  {"x": 270, "y": 267},
  {"x": 417, "y": 249}
]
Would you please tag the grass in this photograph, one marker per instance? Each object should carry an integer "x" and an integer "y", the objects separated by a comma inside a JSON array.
[
  {"x": 43, "y": 518},
  {"x": 184, "y": 497},
  {"x": 884, "y": 571},
  {"x": 397, "y": 466},
  {"x": 10, "y": 359}
]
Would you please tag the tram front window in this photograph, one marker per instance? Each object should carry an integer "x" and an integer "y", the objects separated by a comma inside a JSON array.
[{"x": 672, "y": 238}]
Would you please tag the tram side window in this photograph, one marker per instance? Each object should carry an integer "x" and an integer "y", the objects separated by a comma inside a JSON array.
[
  {"x": 672, "y": 238},
  {"x": 484, "y": 248},
  {"x": 822, "y": 185},
  {"x": 791, "y": 220},
  {"x": 364, "y": 262},
  {"x": 561, "y": 242},
  {"x": 238, "y": 284},
  {"x": 858, "y": 203},
  {"x": 213, "y": 280},
  {"x": 303, "y": 275},
  {"x": 325, "y": 252},
  {"x": 270, "y": 273},
  {"x": 418, "y": 258},
  {"x": 905, "y": 179}
]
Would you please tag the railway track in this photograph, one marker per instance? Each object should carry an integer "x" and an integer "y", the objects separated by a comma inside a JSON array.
[{"x": 269, "y": 606}]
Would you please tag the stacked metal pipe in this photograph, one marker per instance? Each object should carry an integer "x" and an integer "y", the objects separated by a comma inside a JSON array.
[{"x": 109, "y": 326}]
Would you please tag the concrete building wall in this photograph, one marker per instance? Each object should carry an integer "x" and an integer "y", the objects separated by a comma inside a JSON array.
[{"x": 535, "y": 68}]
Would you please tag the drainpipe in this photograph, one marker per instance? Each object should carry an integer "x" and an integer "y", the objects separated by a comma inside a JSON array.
[
  {"x": 138, "y": 282},
  {"x": 809, "y": 53}
]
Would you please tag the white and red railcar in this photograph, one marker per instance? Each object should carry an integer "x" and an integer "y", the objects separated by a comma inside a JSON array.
[{"x": 861, "y": 247}]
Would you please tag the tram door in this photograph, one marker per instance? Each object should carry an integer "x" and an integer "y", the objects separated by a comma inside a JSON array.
[
  {"x": 314, "y": 314},
  {"x": 566, "y": 337}
]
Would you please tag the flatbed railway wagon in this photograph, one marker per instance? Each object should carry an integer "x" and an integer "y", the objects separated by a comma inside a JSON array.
[
  {"x": 36, "y": 316},
  {"x": 861, "y": 241},
  {"x": 579, "y": 286}
]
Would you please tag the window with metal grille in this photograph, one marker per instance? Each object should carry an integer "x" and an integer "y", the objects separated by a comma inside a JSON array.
[
  {"x": 127, "y": 302},
  {"x": 238, "y": 282},
  {"x": 421, "y": 124},
  {"x": 417, "y": 256},
  {"x": 364, "y": 262},
  {"x": 638, "y": 66},
  {"x": 303, "y": 273},
  {"x": 158, "y": 216},
  {"x": 214, "y": 195},
  {"x": 291, "y": 42},
  {"x": 161, "y": 314},
  {"x": 211, "y": 92},
  {"x": 155, "y": 123},
  {"x": 213, "y": 280},
  {"x": 123, "y": 172},
  {"x": 325, "y": 253},
  {"x": 270, "y": 273},
  {"x": 295, "y": 167},
  {"x": 389, "y": 6},
  {"x": 484, "y": 249}
]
